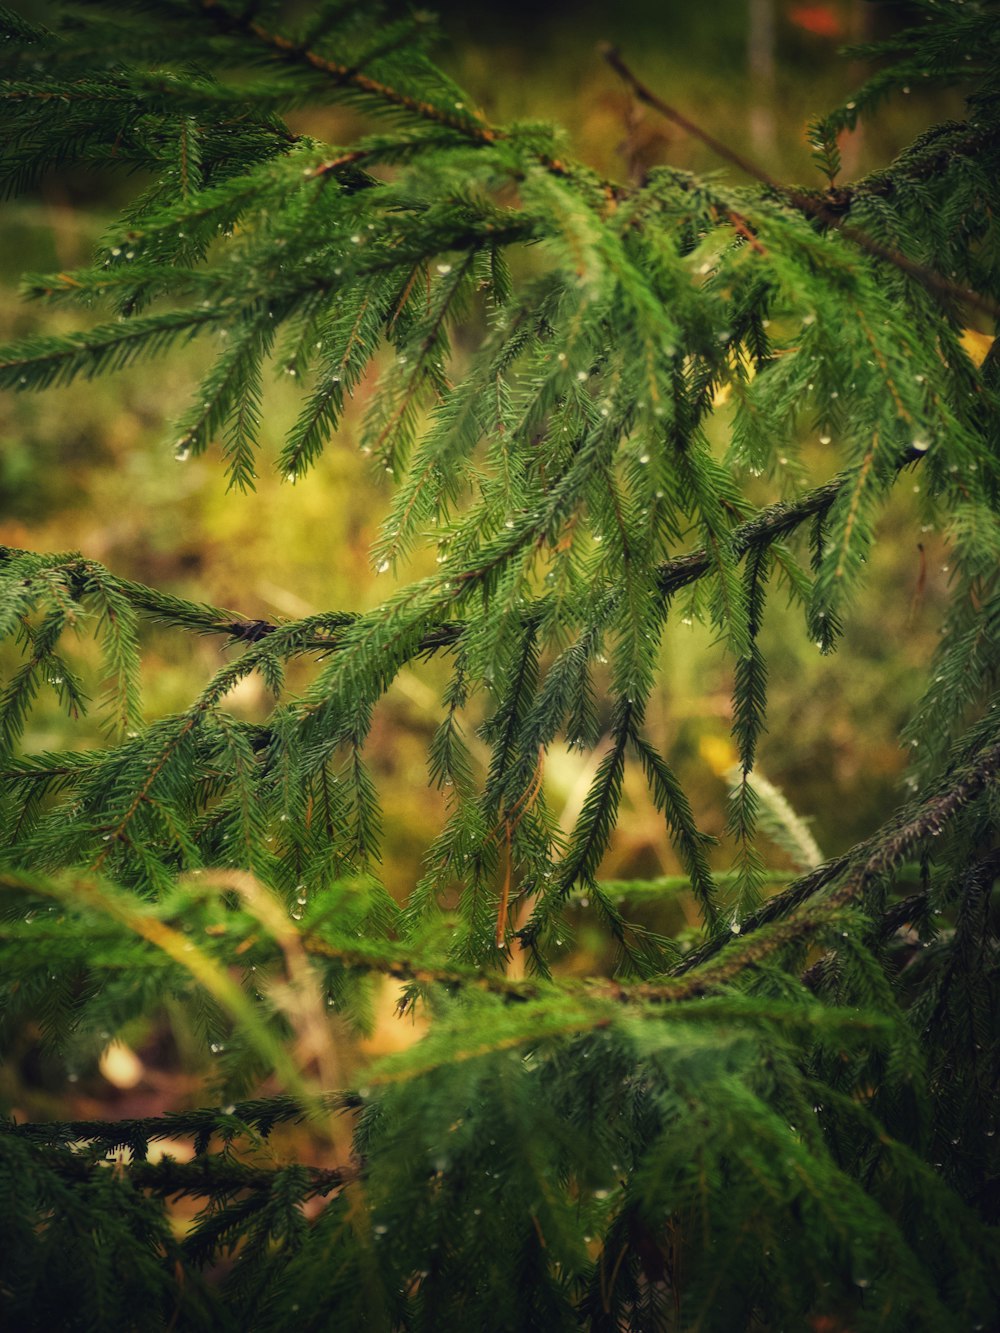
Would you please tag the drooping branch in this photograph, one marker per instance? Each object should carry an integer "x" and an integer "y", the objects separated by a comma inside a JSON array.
[{"x": 771, "y": 524}]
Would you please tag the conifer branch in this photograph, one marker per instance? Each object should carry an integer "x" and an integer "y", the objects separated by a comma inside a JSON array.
[
  {"x": 342, "y": 74},
  {"x": 813, "y": 206},
  {"x": 207, "y": 1176},
  {"x": 770, "y": 525},
  {"x": 253, "y": 1116},
  {"x": 869, "y": 860}
]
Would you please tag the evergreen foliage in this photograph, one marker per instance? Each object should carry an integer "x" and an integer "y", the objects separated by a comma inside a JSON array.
[{"x": 786, "y": 1121}]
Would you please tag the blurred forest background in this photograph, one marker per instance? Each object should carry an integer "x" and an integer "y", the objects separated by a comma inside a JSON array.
[{"x": 92, "y": 468}]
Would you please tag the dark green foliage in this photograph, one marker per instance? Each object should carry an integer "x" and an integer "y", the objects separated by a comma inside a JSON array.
[{"x": 786, "y": 1119}]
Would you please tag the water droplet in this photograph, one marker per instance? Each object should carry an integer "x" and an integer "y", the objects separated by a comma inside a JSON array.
[
  {"x": 921, "y": 446},
  {"x": 644, "y": 458},
  {"x": 444, "y": 269},
  {"x": 581, "y": 375},
  {"x": 382, "y": 567},
  {"x": 824, "y": 439}
]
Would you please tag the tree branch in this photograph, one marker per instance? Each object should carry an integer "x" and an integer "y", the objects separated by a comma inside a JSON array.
[
  {"x": 769, "y": 525},
  {"x": 816, "y": 207},
  {"x": 876, "y": 856},
  {"x": 209, "y": 1175}
]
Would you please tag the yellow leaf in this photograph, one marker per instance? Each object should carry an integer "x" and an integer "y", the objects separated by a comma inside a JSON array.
[
  {"x": 976, "y": 345},
  {"x": 719, "y": 753}
]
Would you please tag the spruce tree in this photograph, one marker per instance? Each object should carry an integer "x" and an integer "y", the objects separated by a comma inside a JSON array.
[{"x": 784, "y": 1119}]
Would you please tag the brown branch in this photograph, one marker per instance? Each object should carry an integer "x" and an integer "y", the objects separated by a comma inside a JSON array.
[{"x": 816, "y": 207}]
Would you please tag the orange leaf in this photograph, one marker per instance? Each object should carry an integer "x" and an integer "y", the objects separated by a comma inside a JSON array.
[{"x": 823, "y": 20}]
